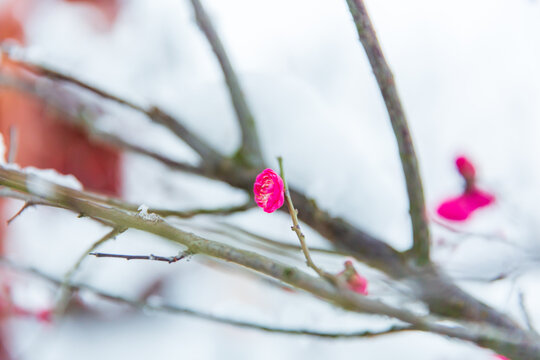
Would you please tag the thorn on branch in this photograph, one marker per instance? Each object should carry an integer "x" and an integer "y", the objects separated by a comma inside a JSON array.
[{"x": 24, "y": 207}]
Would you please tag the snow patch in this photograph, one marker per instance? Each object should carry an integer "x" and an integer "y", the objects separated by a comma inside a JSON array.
[
  {"x": 143, "y": 214},
  {"x": 41, "y": 182}
]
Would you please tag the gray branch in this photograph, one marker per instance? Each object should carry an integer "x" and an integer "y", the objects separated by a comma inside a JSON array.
[
  {"x": 409, "y": 162},
  {"x": 250, "y": 150}
]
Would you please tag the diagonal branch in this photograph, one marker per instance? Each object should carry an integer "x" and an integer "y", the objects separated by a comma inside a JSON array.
[
  {"x": 250, "y": 150},
  {"x": 409, "y": 162},
  {"x": 207, "y": 153},
  {"x": 177, "y": 310},
  {"x": 517, "y": 344}
]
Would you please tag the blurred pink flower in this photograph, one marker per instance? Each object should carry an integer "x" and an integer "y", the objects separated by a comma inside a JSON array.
[
  {"x": 500, "y": 357},
  {"x": 269, "y": 190},
  {"x": 461, "y": 207},
  {"x": 465, "y": 168},
  {"x": 355, "y": 281}
]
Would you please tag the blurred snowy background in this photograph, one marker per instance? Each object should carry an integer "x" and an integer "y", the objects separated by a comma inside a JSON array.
[{"x": 469, "y": 77}]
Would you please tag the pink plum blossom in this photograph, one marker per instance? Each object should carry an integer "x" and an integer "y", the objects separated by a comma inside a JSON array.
[
  {"x": 461, "y": 207},
  {"x": 355, "y": 281},
  {"x": 269, "y": 190}
]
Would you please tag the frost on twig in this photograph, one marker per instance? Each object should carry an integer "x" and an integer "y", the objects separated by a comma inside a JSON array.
[{"x": 143, "y": 214}]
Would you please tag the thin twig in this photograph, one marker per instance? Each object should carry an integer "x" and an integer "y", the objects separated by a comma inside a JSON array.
[
  {"x": 250, "y": 150},
  {"x": 525, "y": 313},
  {"x": 152, "y": 257},
  {"x": 26, "y": 205},
  {"x": 65, "y": 293},
  {"x": 226, "y": 210},
  {"x": 280, "y": 244},
  {"x": 409, "y": 161},
  {"x": 296, "y": 227},
  {"x": 173, "y": 309}
]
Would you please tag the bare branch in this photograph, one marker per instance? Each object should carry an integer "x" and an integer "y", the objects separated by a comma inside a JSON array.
[
  {"x": 228, "y": 210},
  {"x": 276, "y": 243},
  {"x": 208, "y": 155},
  {"x": 409, "y": 161},
  {"x": 152, "y": 257},
  {"x": 173, "y": 309},
  {"x": 525, "y": 313},
  {"x": 250, "y": 150},
  {"x": 65, "y": 292},
  {"x": 296, "y": 228},
  {"x": 517, "y": 344}
]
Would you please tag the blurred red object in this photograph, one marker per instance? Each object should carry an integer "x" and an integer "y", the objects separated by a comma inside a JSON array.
[
  {"x": 108, "y": 8},
  {"x": 45, "y": 139},
  {"x": 460, "y": 208}
]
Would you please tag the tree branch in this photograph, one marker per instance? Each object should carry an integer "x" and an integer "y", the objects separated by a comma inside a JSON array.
[
  {"x": 65, "y": 293},
  {"x": 151, "y": 257},
  {"x": 409, "y": 161},
  {"x": 516, "y": 344},
  {"x": 250, "y": 149},
  {"x": 208, "y": 154},
  {"x": 297, "y": 230},
  {"x": 173, "y": 309}
]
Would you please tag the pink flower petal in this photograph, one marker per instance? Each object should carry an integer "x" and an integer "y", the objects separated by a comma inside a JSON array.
[
  {"x": 500, "y": 357},
  {"x": 461, "y": 207},
  {"x": 269, "y": 190}
]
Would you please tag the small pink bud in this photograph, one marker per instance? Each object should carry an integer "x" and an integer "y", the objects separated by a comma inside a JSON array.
[
  {"x": 465, "y": 168},
  {"x": 45, "y": 316},
  {"x": 355, "y": 281},
  {"x": 269, "y": 191}
]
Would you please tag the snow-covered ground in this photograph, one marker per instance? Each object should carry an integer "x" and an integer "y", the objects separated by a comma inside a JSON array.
[{"x": 468, "y": 75}]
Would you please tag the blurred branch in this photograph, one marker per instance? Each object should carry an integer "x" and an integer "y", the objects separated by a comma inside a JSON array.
[
  {"x": 227, "y": 210},
  {"x": 525, "y": 313},
  {"x": 250, "y": 150},
  {"x": 409, "y": 161},
  {"x": 123, "y": 144},
  {"x": 516, "y": 344},
  {"x": 208, "y": 155},
  {"x": 275, "y": 243},
  {"x": 13, "y": 144},
  {"x": 433, "y": 287},
  {"x": 172, "y": 309},
  {"x": 65, "y": 293},
  {"x": 430, "y": 285},
  {"x": 151, "y": 257}
]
